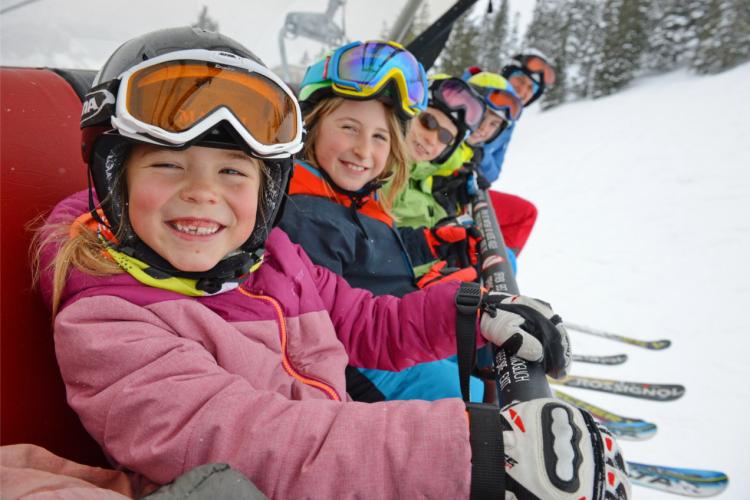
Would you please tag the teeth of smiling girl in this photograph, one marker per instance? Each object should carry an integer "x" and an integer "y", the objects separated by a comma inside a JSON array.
[
  {"x": 197, "y": 230},
  {"x": 356, "y": 168}
]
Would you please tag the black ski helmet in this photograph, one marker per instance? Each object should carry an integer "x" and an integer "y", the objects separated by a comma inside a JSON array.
[{"x": 105, "y": 149}]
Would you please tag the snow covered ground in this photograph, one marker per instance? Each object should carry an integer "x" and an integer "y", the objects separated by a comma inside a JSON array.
[{"x": 644, "y": 230}]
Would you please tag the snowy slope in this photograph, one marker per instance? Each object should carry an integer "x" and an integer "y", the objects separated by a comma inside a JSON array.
[{"x": 644, "y": 229}]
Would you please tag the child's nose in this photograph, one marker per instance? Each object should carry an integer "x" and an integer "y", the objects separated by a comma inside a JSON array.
[
  {"x": 431, "y": 138},
  {"x": 362, "y": 147},
  {"x": 199, "y": 190}
]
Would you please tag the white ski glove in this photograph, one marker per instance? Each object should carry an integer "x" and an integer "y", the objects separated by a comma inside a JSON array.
[
  {"x": 554, "y": 450},
  {"x": 527, "y": 328}
]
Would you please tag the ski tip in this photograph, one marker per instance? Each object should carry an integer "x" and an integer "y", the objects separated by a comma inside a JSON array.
[
  {"x": 633, "y": 430},
  {"x": 614, "y": 359},
  {"x": 659, "y": 345},
  {"x": 696, "y": 483}
]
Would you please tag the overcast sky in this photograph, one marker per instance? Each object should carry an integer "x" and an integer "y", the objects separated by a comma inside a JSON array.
[{"x": 81, "y": 33}]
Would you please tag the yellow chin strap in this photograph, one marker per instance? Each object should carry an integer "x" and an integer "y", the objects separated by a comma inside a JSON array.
[{"x": 185, "y": 286}]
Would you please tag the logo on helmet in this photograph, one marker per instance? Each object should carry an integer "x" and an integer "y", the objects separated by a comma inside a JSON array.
[{"x": 95, "y": 102}]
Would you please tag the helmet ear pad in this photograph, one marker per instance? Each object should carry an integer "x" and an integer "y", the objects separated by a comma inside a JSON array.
[
  {"x": 109, "y": 155},
  {"x": 271, "y": 200}
]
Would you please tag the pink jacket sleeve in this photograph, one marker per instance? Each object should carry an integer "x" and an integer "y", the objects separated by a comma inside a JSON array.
[{"x": 386, "y": 332}]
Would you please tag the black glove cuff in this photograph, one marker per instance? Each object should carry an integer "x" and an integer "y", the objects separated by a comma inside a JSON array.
[{"x": 487, "y": 451}]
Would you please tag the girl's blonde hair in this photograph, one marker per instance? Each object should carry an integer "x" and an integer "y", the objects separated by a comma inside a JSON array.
[
  {"x": 78, "y": 247},
  {"x": 397, "y": 163},
  {"x": 81, "y": 248}
]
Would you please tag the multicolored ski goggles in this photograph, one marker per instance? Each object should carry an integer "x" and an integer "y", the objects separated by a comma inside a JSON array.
[
  {"x": 175, "y": 99},
  {"x": 362, "y": 70},
  {"x": 502, "y": 100},
  {"x": 455, "y": 95}
]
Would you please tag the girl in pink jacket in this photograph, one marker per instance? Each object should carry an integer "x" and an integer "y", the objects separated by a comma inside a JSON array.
[{"x": 188, "y": 331}]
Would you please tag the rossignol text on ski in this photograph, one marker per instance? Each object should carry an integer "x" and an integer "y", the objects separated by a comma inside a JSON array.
[{"x": 641, "y": 390}]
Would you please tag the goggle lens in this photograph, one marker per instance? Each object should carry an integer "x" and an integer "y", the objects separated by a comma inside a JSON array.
[
  {"x": 368, "y": 64},
  {"x": 429, "y": 122},
  {"x": 505, "y": 101},
  {"x": 175, "y": 96},
  {"x": 456, "y": 95},
  {"x": 536, "y": 64}
]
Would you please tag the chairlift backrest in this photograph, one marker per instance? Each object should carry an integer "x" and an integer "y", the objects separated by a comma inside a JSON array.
[{"x": 40, "y": 156}]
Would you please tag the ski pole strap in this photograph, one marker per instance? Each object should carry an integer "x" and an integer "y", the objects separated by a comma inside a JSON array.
[
  {"x": 487, "y": 451},
  {"x": 468, "y": 298}
]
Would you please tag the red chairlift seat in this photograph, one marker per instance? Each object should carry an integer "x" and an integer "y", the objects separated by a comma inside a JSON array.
[{"x": 41, "y": 164}]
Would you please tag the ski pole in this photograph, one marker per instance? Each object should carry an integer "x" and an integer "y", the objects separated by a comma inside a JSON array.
[{"x": 516, "y": 379}]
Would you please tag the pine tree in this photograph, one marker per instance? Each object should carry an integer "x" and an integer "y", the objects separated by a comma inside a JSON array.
[
  {"x": 548, "y": 32},
  {"x": 624, "y": 22},
  {"x": 205, "y": 21},
  {"x": 421, "y": 23},
  {"x": 462, "y": 47},
  {"x": 543, "y": 32},
  {"x": 305, "y": 59},
  {"x": 715, "y": 39},
  {"x": 514, "y": 39},
  {"x": 742, "y": 28},
  {"x": 495, "y": 33},
  {"x": 672, "y": 33},
  {"x": 584, "y": 42},
  {"x": 385, "y": 31},
  {"x": 737, "y": 38}
]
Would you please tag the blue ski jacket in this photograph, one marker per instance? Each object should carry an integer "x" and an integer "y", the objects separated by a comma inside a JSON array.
[{"x": 494, "y": 154}]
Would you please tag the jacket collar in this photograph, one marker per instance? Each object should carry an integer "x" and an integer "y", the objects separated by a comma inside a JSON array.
[{"x": 308, "y": 180}]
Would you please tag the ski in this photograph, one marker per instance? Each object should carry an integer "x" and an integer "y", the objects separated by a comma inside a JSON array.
[
  {"x": 622, "y": 427},
  {"x": 653, "y": 392},
  {"x": 687, "y": 482},
  {"x": 654, "y": 345},
  {"x": 615, "y": 359}
]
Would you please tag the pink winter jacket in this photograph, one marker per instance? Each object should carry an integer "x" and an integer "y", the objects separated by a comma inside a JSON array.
[{"x": 255, "y": 378}]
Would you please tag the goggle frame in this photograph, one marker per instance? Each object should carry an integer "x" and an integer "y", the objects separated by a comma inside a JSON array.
[
  {"x": 357, "y": 90},
  {"x": 129, "y": 126}
]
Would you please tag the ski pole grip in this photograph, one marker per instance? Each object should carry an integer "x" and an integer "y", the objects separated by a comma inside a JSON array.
[{"x": 516, "y": 379}]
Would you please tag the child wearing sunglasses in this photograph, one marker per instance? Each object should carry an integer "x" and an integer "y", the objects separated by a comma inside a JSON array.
[
  {"x": 189, "y": 331},
  {"x": 454, "y": 110}
]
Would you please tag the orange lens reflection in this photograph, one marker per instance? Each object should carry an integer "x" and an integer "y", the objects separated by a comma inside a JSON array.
[
  {"x": 175, "y": 96},
  {"x": 539, "y": 65},
  {"x": 501, "y": 99}
]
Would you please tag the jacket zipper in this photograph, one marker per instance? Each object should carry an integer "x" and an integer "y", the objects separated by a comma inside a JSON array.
[{"x": 286, "y": 363}]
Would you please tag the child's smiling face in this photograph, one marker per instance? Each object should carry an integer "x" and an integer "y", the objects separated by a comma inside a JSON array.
[
  {"x": 193, "y": 206},
  {"x": 491, "y": 123},
  {"x": 424, "y": 143},
  {"x": 353, "y": 143},
  {"x": 523, "y": 85}
]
